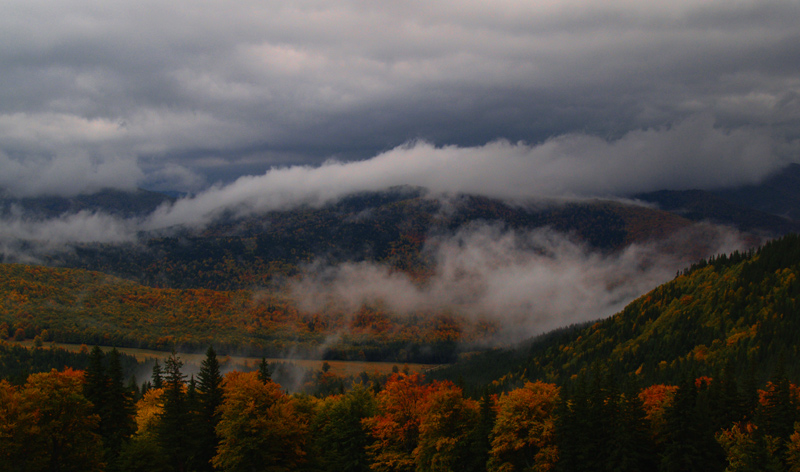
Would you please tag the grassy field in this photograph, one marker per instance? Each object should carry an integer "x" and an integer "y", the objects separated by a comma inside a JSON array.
[{"x": 337, "y": 367}]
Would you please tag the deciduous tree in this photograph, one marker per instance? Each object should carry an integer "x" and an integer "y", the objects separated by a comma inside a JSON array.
[{"x": 258, "y": 428}]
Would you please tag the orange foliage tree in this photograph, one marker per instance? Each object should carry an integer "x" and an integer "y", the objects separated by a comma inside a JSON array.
[
  {"x": 396, "y": 428},
  {"x": 655, "y": 401},
  {"x": 258, "y": 426},
  {"x": 420, "y": 426},
  {"x": 47, "y": 425}
]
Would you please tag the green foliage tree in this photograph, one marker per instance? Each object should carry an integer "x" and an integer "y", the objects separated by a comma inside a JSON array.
[
  {"x": 339, "y": 435},
  {"x": 749, "y": 450},
  {"x": 447, "y": 425}
]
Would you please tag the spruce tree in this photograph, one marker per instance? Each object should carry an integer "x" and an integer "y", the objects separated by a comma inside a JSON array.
[
  {"x": 95, "y": 380},
  {"x": 264, "y": 374},
  {"x": 173, "y": 429},
  {"x": 117, "y": 420},
  {"x": 158, "y": 376},
  {"x": 209, "y": 398}
]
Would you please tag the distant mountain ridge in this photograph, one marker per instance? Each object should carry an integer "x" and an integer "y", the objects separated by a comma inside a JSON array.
[
  {"x": 385, "y": 228},
  {"x": 779, "y": 194},
  {"x": 126, "y": 204},
  {"x": 391, "y": 227},
  {"x": 772, "y": 206}
]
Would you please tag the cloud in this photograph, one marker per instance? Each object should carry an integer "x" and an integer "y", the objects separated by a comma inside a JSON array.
[
  {"x": 156, "y": 85},
  {"x": 29, "y": 241},
  {"x": 526, "y": 282},
  {"x": 692, "y": 154}
]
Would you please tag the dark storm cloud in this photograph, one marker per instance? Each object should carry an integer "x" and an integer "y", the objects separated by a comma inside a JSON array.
[{"x": 176, "y": 94}]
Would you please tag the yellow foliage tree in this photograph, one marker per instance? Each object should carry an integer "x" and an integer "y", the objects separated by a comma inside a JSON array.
[{"x": 523, "y": 437}]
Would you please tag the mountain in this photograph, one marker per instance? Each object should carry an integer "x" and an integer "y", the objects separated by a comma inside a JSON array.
[
  {"x": 701, "y": 205},
  {"x": 779, "y": 194},
  {"x": 742, "y": 309},
  {"x": 393, "y": 227},
  {"x": 126, "y": 204},
  {"x": 389, "y": 228},
  {"x": 771, "y": 207}
]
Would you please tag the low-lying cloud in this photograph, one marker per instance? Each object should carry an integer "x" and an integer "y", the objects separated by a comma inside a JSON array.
[
  {"x": 527, "y": 282},
  {"x": 29, "y": 240},
  {"x": 691, "y": 154}
]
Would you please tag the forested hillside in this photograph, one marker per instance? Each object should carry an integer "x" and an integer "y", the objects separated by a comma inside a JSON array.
[
  {"x": 741, "y": 309},
  {"x": 77, "y": 306},
  {"x": 389, "y": 228}
]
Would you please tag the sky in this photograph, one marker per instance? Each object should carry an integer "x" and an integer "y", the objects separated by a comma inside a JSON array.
[{"x": 262, "y": 103}]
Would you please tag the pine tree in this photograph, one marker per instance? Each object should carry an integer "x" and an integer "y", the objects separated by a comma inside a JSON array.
[
  {"x": 631, "y": 447},
  {"x": 690, "y": 441},
  {"x": 481, "y": 438}
]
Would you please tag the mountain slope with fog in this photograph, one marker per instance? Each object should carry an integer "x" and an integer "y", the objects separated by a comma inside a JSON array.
[
  {"x": 779, "y": 194},
  {"x": 739, "y": 309},
  {"x": 399, "y": 229}
]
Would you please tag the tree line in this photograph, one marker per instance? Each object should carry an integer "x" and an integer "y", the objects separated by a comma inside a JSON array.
[{"x": 90, "y": 421}]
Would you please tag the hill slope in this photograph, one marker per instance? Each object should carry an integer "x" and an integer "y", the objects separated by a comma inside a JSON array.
[
  {"x": 390, "y": 228},
  {"x": 78, "y": 306},
  {"x": 743, "y": 308}
]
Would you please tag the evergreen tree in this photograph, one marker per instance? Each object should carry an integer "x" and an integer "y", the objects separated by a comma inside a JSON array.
[
  {"x": 173, "y": 428},
  {"x": 104, "y": 388},
  {"x": 573, "y": 432},
  {"x": 631, "y": 446},
  {"x": 481, "y": 439},
  {"x": 690, "y": 442},
  {"x": 158, "y": 376},
  {"x": 264, "y": 374},
  {"x": 117, "y": 419},
  {"x": 209, "y": 398},
  {"x": 95, "y": 380}
]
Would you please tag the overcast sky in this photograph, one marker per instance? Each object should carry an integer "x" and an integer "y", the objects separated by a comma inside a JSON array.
[{"x": 546, "y": 97}]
